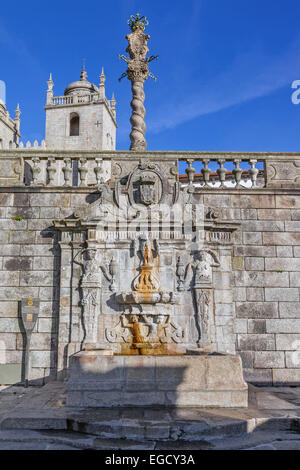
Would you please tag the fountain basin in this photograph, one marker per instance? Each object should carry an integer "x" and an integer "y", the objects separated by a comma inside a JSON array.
[
  {"x": 207, "y": 380},
  {"x": 146, "y": 297}
]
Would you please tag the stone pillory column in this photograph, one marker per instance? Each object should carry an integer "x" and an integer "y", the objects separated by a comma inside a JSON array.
[{"x": 137, "y": 72}]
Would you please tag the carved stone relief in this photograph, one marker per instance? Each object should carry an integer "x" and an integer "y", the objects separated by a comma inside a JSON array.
[
  {"x": 155, "y": 276},
  {"x": 90, "y": 285},
  {"x": 152, "y": 328}
]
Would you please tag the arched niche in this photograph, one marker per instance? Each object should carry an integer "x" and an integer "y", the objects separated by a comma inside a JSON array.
[{"x": 74, "y": 124}]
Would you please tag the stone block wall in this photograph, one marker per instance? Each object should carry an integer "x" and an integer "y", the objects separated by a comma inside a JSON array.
[
  {"x": 28, "y": 263},
  {"x": 91, "y": 137},
  {"x": 266, "y": 279}
]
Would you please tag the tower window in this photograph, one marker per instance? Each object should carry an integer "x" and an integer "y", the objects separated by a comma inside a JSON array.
[{"x": 74, "y": 124}]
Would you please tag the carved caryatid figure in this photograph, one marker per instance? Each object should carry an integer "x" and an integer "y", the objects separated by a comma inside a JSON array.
[
  {"x": 92, "y": 267},
  {"x": 90, "y": 285},
  {"x": 203, "y": 269},
  {"x": 91, "y": 271},
  {"x": 199, "y": 276},
  {"x": 203, "y": 301},
  {"x": 205, "y": 260}
]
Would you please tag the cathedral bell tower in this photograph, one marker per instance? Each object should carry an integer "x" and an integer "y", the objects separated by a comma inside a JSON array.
[{"x": 82, "y": 119}]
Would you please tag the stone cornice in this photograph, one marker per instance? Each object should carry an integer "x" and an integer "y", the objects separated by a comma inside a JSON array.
[
  {"x": 157, "y": 155},
  {"x": 206, "y": 191}
]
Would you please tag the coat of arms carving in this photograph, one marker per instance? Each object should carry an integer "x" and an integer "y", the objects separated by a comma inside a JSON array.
[{"x": 147, "y": 189}]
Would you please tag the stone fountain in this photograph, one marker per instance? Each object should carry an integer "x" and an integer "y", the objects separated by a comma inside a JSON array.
[
  {"x": 154, "y": 288},
  {"x": 147, "y": 318}
]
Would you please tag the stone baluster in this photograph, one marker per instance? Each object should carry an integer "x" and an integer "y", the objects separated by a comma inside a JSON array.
[
  {"x": 82, "y": 171},
  {"x": 51, "y": 170},
  {"x": 206, "y": 172},
  {"x": 221, "y": 172},
  {"x": 35, "y": 170},
  {"x": 67, "y": 170},
  {"x": 253, "y": 173},
  {"x": 237, "y": 173},
  {"x": 98, "y": 170},
  {"x": 190, "y": 171}
]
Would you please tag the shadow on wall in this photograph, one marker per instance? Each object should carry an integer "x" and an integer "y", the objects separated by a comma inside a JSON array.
[{"x": 120, "y": 384}]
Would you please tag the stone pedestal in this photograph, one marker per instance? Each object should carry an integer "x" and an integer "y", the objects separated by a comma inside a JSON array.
[{"x": 101, "y": 380}]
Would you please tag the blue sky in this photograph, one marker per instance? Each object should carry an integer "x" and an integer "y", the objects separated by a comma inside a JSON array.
[{"x": 224, "y": 71}]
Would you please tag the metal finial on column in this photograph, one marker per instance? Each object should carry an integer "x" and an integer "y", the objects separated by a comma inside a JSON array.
[{"x": 137, "y": 72}]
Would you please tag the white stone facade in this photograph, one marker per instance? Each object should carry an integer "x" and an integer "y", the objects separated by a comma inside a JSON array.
[
  {"x": 96, "y": 117},
  {"x": 91, "y": 136},
  {"x": 9, "y": 128}
]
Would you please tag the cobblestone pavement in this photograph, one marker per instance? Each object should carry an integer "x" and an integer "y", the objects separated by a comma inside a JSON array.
[{"x": 36, "y": 418}]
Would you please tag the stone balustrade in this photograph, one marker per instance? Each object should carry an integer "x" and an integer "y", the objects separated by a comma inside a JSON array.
[
  {"x": 66, "y": 170},
  {"x": 62, "y": 100},
  {"x": 34, "y": 165},
  {"x": 75, "y": 99},
  {"x": 214, "y": 174}
]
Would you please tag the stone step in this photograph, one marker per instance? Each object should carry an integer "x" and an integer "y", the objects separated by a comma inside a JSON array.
[
  {"x": 34, "y": 421},
  {"x": 138, "y": 430},
  {"x": 148, "y": 431},
  {"x": 142, "y": 430},
  {"x": 68, "y": 440}
]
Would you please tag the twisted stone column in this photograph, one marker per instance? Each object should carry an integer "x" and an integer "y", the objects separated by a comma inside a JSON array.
[
  {"x": 137, "y": 72},
  {"x": 137, "y": 120}
]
